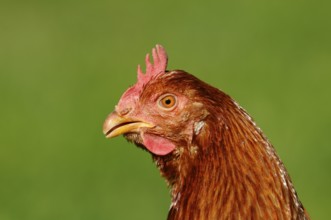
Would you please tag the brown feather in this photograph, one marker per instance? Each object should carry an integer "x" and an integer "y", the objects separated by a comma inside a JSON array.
[{"x": 235, "y": 173}]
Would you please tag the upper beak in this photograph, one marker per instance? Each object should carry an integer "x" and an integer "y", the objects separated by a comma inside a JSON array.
[{"x": 116, "y": 125}]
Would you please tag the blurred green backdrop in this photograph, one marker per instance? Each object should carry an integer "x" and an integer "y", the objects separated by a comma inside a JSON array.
[{"x": 64, "y": 65}]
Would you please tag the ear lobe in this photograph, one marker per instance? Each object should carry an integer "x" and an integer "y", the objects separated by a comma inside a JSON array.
[{"x": 158, "y": 145}]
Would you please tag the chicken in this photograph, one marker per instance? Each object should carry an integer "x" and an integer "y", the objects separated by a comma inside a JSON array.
[{"x": 216, "y": 161}]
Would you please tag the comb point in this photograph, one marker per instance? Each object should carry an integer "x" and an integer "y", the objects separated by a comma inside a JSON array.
[{"x": 158, "y": 66}]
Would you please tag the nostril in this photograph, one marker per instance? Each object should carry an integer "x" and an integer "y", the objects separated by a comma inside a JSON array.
[{"x": 124, "y": 111}]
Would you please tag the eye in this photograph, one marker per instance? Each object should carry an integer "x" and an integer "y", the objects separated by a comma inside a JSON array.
[{"x": 167, "y": 102}]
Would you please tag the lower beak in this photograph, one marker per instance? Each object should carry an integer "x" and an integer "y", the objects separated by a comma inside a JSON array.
[{"x": 116, "y": 125}]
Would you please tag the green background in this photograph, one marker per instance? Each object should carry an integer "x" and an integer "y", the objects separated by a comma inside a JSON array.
[{"x": 64, "y": 65}]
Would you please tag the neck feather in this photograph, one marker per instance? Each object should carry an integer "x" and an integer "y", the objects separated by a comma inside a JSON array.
[{"x": 235, "y": 174}]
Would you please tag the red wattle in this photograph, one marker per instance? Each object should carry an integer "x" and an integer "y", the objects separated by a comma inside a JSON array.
[{"x": 158, "y": 145}]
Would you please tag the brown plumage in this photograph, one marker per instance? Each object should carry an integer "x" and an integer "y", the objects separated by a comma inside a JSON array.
[{"x": 217, "y": 162}]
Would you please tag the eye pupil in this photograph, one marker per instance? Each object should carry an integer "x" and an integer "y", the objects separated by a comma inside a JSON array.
[{"x": 167, "y": 101}]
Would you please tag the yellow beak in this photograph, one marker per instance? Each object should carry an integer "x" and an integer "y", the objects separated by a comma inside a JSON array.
[{"x": 116, "y": 125}]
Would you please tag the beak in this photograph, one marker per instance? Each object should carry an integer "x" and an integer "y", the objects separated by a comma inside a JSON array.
[{"x": 116, "y": 125}]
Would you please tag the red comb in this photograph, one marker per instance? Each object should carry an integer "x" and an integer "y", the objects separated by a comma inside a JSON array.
[
  {"x": 159, "y": 65},
  {"x": 160, "y": 60}
]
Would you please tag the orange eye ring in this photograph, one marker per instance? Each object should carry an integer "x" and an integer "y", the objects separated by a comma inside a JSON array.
[{"x": 167, "y": 102}]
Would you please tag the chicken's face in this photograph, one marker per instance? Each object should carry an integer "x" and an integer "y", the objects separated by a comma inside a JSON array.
[{"x": 161, "y": 117}]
